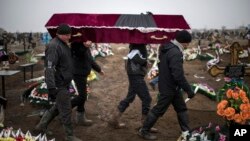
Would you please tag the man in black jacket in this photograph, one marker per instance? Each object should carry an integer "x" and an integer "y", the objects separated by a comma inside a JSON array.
[
  {"x": 58, "y": 76},
  {"x": 171, "y": 81},
  {"x": 83, "y": 62}
]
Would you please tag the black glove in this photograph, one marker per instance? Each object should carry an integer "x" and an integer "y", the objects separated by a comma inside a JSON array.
[
  {"x": 52, "y": 94},
  {"x": 190, "y": 94}
]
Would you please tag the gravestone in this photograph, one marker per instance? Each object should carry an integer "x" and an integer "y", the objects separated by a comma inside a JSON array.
[{"x": 234, "y": 69}]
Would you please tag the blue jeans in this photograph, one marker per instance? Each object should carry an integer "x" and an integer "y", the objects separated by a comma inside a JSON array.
[{"x": 155, "y": 80}]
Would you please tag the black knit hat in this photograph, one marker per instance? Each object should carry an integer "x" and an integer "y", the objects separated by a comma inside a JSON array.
[
  {"x": 63, "y": 29},
  {"x": 183, "y": 36}
]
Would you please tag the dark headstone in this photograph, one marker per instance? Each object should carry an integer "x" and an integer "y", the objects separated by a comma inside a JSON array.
[{"x": 234, "y": 71}]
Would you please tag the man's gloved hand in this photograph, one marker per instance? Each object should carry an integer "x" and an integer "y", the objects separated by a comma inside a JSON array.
[
  {"x": 52, "y": 94},
  {"x": 191, "y": 94}
]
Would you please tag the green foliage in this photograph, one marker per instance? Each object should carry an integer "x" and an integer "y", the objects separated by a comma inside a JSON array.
[{"x": 231, "y": 85}]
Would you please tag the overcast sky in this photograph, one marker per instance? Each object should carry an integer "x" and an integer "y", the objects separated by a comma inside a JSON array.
[{"x": 32, "y": 15}]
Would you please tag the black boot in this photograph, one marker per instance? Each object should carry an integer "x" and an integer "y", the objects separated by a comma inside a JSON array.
[
  {"x": 152, "y": 130},
  {"x": 70, "y": 134},
  {"x": 183, "y": 121},
  {"x": 47, "y": 117},
  {"x": 144, "y": 132}
]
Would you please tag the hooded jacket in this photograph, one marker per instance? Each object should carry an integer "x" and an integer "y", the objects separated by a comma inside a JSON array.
[
  {"x": 171, "y": 72},
  {"x": 137, "y": 60}
]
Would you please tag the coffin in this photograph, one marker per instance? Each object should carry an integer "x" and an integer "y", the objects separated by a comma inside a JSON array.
[{"x": 119, "y": 28}]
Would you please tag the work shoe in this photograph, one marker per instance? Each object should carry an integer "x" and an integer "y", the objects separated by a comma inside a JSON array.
[
  {"x": 146, "y": 135},
  {"x": 46, "y": 119},
  {"x": 152, "y": 130}
]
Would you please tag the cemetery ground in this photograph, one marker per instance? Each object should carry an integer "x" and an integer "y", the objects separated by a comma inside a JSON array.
[{"x": 106, "y": 93}]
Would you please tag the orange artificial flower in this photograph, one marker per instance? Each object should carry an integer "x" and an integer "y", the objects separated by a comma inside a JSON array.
[
  {"x": 222, "y": 104},
  {"x": 244, "y": 107},
  {"x": 244, "y": 115},
  {"x": 220, "y": 112},
  {"x": 229, "y": 93},
  {"x": 238, "y": 118},
  {"x": 245, "y": 100},
  {"x": 242, "y": 94},
  {"x": 235, "y": 95},
  {"x": 229, "y": 111},
  {"x": 236, "y": 106}
]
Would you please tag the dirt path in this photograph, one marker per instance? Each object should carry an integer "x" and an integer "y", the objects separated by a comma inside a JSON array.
[{"x": 106, "y": 93}]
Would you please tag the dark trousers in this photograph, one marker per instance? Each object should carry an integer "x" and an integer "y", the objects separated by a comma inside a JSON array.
[
  {"x": 63, "y": 104},
  {"x": 79, "y": 101},
  {"x": 164, "y": 101},
  {"x": 137, "y": 85}
]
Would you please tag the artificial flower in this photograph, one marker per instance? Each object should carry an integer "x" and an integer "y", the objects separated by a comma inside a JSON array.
[{"x": 235, "y": 107}]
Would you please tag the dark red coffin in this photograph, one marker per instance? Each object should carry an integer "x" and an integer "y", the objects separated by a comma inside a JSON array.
[{"x": 119, "y": 28}]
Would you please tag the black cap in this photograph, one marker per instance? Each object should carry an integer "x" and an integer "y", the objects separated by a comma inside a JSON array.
[
  {"x": 63, "y": 29},
  {"x": 183, "y": 36}
]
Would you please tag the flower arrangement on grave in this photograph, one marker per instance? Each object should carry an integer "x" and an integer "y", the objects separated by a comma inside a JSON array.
[
  {"x": 39, "y": 94},
  {"x": 8, "y": 134},
  {"x": 205, "y": 89},
  {"x": 235, "y": 107},
  {"x": 30, "y": 57},
  {"x": 231, "y": 83},
  {"x": 210, "y": 132},
  {"x": 37, "y": 91},
  {"x": 190, "y": 54},
  {"x": 103, "y": 50}
]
